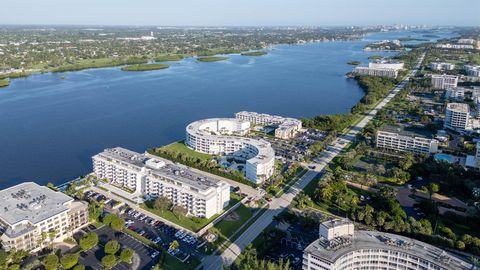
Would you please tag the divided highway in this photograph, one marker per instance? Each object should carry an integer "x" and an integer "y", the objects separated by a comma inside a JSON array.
[{"x": 280, "y": 204}]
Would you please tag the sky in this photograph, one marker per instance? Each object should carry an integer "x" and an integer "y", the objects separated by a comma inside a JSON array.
[{"x": 240, "y": 12}]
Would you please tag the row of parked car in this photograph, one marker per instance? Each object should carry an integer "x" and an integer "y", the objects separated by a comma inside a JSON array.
[
  {"x": 91, "y": 195},
  {"x": 181, "y": 235}
]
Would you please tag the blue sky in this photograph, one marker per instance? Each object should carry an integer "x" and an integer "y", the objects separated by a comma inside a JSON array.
[{"x": 240, "y": 12}]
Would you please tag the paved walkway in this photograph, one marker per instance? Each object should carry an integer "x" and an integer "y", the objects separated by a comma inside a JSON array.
[{"x": 278, "y": 205}]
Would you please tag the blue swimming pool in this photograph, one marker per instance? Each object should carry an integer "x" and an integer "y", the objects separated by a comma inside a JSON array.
[{"x": 445, "y": 157}]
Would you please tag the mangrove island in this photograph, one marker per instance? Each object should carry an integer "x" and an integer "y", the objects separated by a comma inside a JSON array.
[{"x": 144, "y": 67}]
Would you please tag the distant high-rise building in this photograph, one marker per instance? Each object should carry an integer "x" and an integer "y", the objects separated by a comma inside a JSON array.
[
  {"x": 380, "y": 72},
  {"x": 441, "y": 66},
  {"x": 444, "y": 81},
  {"x": 457, "y": 116}
]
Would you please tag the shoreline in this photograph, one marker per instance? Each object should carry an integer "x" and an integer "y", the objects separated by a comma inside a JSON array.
[{"x": 153, "y": 60}]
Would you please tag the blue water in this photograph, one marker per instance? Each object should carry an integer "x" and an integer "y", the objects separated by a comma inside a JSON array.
[{"x": 50, "y": 127}]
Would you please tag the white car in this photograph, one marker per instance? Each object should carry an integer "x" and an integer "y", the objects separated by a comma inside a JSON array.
[{"x": 154, "y": 254}]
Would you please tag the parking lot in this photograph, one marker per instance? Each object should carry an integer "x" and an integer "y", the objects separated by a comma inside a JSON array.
[
  {"x": 291, "y": 247},
  {"x": 163, "y": 234},
  {"x": 92, "y": 258}
]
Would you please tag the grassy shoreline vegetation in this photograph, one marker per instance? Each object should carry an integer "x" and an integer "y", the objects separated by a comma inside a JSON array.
[
  {"x": 255, "y": 53},
  {"x": 145, "y": 67},
  {"x": 375, "y": 89},
  {"x": 169, "y": 58},
  {"x": 4, "y": 83},
  {"x": 354, "y": 63},
  {"x": 99, "y": 63},
  {"x": 375, "y": 57},
  {"x": 14, "y": 75},
  {"x": 211, "y": 58}
]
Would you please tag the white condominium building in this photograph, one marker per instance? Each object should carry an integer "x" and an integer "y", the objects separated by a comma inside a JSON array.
[
  {"x": 457, "y": 94},
  {"x": 339, "y": 247},
  {"x": 405, "y": 143},
  {"x": 389, "y": 64},
  {"x": 466, "y": 41},
  {"x": 441, "y": 66},
  {"x": 454, "y": 46},
  {"x": 473, "y": 71},
  {"x": 457, "y": 116},
  {"x": 31, "y": 213},
  {"x": 287, "y": 128},
  {"x": 221, "y": 136},
  {"x": 381, "y": 72},
  {"x": 444, "y": 81},
  {"x": 150, "y": 176}
]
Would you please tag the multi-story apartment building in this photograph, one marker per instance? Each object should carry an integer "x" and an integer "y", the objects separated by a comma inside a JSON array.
[
  {"x": 473, "y": 71},
  {"x": 388, "y": 64},
  {"x": 286, "y": 128},
  {"x": 441, "y": 66},
  {"x": 339, "y": 247},
  {"x": 31, "y": 214},
  {"x": 444, "y": 81},
  {"x": 455, "y": 46},
  {"x": 222, "y": 136},
  {"x": 150, "y": 176},
  {"x": 457, "y": 116},
  {"x": 455, "y": 94},
  {"x": 405, "y": 142},
  {"x": 381, "y": 72}
]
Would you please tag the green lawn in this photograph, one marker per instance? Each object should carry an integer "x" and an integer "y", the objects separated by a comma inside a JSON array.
[
  {"x": 192, "y": 224},
  {"x": 181, "y": 147},
  {"x": 225, "y": 228}
]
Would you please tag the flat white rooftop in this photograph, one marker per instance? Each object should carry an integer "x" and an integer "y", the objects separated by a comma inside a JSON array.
[{"x": 32, "y": 202}]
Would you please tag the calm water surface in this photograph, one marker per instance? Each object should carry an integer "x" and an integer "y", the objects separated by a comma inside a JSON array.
[{"x": 50, "y": 127}]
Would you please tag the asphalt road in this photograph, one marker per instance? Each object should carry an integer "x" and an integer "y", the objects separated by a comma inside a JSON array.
[{"x": 280, "y": 204}]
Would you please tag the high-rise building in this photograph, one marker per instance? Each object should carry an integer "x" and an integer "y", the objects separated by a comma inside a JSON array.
[
  {"x": 473, "y": 71},
  {"x": 457, "y": 116},
  {"x": 339, "y": 247},
  {"x": 404, "y": 142},
  {"x": 152, "y": 177},
  {"x": 380, "y": 72},
  {"x": 31, "y": 213},
  {"x": 444, "y": 81},
  {"x": 223, "y": 136},
  {"x": 388, "y": 64},
  {"x": 441, "y": 66}
]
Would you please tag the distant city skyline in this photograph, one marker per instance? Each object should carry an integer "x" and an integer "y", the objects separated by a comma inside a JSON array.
[{"x": 240, "y": 12}]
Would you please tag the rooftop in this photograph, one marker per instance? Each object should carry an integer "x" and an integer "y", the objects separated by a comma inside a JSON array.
[
  {"x": 459, "y": 107},
  {"x": 32, "y": 202},
  {"x": 162, "y": 168},
  {"x": 336, "y": 222},
  {"x": 406, "y": 131},
  {"x": 378, "y": 240}
]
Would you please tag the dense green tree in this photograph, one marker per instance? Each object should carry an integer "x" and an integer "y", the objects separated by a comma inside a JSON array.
[
  {"x": 50, "y": 262},
  {"x": 69, "y": 260},
  {"x": 126, "y": 255},
  {"x": 109, "y": 261},
  {"x": 112, "y": 247},
  {"x": 79, "y": 267},
  {"x": 89, "y": 241}
]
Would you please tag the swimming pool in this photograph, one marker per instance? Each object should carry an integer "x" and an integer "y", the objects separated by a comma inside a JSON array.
[{"x": 445, "y": 157}]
